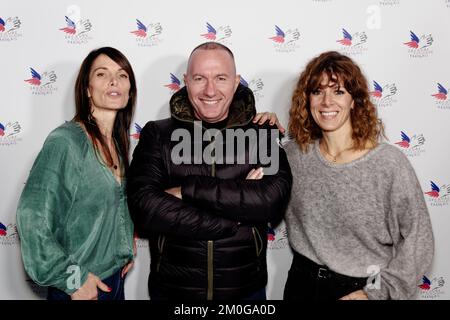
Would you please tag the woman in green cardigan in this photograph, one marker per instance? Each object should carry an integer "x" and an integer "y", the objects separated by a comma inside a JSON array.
[{"x": 73, "y": 221}]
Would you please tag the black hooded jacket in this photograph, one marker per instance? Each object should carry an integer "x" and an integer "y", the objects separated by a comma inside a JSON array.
[{"x": 212, "y": 243}]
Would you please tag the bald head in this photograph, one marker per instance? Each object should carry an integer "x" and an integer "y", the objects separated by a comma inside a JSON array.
[{"x": 213, "y": 46}]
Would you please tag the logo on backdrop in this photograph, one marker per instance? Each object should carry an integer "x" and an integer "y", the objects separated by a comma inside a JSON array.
[
  {"x": 447, "y": 2},
  {"x": 8, "y": 234},
  {"x": 174, "y": 85},
  {"x": 277, "y": 237},
  {"x": 77, "y": 32},
  {"x": 221, "y": 34},
  {"x": 353, "y": 43},
  {"x": 439, "y": 195},
  {"x": 441, "y": 97},
  {"x": 10, "y": 28},
  {"x": 42, "y": 84},
  {"x": 389, "y": 2},
  {"x": 411, "y": 146},
  {"x": 419, "y": 47},
  {"x": 256, "y": 85},
  {"x": 136, "y": 135},
  {"x": 147, "y": 35},
  {"x": 384, "y": 95},
  {"x": 141, "y": 243},
  {"x": 10, "y": 133},
  {"x": 431, "y": 289},
  {"x": 285, "y": 40}
]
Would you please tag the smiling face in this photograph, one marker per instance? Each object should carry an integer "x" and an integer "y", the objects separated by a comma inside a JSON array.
[
  {"x": 109, "y": 85},
  {"x": 211, "y": 82},
  {"x": 330, "y": 106}
]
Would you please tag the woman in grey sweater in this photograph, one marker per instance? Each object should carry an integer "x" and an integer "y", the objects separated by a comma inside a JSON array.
[{"x": 357, "y": 220}]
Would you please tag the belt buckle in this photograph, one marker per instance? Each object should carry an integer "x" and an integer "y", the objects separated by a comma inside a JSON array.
[{"x": 322, "y": 273}]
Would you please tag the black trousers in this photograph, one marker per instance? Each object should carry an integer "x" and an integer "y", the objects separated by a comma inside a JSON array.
[{"x": 308, "y": 280}]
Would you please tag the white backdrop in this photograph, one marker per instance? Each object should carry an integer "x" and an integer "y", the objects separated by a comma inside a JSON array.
[{"x": 411, "y": 72}]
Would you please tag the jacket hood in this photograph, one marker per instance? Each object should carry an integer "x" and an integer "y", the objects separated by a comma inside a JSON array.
[{"x": 242, "y": 108}]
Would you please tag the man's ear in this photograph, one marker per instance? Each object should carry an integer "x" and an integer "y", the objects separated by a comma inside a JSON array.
[{"x": 237, "y": 81}]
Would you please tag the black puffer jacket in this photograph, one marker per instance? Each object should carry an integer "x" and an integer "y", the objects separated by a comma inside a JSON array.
[{"x": 212, "y": 244}]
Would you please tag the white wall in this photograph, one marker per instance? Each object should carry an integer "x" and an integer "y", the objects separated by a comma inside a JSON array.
[{"x": 32, "y": 38}]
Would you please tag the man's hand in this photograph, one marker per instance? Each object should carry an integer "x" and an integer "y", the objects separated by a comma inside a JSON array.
[
  {"x": 262, "y": 118},
  {"x": 356, "y": 295},
  {"x": 255, "y": 174},
  {"x": 176, "y": 192},
  {"x": 88, "y": 291}
]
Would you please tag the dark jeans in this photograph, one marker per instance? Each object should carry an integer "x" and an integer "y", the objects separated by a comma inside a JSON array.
[
  {"x": 115, "y": 282},
  {"x": 310, "y": 281}
]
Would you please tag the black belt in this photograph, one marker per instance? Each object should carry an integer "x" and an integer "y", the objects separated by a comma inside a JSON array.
[{"x": 322, "y": 272}]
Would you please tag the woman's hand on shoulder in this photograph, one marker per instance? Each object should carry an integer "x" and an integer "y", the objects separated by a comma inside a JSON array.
[{"x": 263, "y": 117}]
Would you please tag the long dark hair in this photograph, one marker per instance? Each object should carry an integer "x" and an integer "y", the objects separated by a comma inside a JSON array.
[{"x": 121, "y": 130}]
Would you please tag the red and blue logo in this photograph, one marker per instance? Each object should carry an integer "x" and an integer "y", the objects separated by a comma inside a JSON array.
[
  {"x": 419, "y": 43},
  {"x": 141, "y": 30},
  {"x": 439, "y": 195},
  {"x": 3, "y": 230},
  {"x": 72, "y": 28},
  {"x": 271, "y": 234},
  {"x": 382, "y": 92},
  {"x": 442, "y": 93},
  {"x": 2, "y": 25},
  {"x": 426, "y": 283},
  {"x": 285, "y": 40},
  {"x": 147, "y": 31},
  {"x": 10, "y": 24},
  {"x": 41, "y": 80},
  {"x": 219, "y": 34},
  {"x": 434, "y": 193},
  {"x": 211, "y": 32},
  {"x": 175, "y": 83},
  {"x": 431, "y": 289},
  {"x": 352, "y": 40},
  {"x": 10, "y": 129},
  {"x": 280, "y": 35},
  {"x": 137, "y": 134},
  {"x": 410, "y": 142},
  {"x": 277, "y": 238}
]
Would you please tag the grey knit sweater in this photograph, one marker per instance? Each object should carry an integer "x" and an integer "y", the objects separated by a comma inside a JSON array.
[{"x": 361, "y": 216}]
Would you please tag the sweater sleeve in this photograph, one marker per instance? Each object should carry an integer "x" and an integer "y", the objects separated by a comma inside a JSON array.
[
  {"x": 413, "y": 245},
  {"x": 154, "y": 210},
  {"x": 243, "y": 200},
  {"x": 44, "y": 202}
]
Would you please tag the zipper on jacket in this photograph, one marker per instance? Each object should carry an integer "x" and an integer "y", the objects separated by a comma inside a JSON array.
[
  {"x": 259, "y": 246},
  {"x": 209, "y": 294},
  {"x": 161, "y": 241}
]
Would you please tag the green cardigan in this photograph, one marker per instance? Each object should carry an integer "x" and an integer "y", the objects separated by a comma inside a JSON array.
[{"x": 72, "y": 215}]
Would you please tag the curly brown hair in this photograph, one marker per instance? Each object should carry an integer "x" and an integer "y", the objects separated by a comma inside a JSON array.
[{"x": 366, "y": 126}]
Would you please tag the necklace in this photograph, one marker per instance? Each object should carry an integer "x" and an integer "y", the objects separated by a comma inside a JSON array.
[{"x": 334, "y": 157}]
